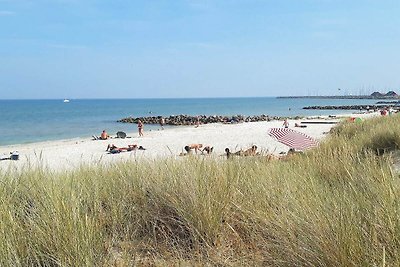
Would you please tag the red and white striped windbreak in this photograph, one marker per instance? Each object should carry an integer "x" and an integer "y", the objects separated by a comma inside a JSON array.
[{"x": 292, "y": 138}]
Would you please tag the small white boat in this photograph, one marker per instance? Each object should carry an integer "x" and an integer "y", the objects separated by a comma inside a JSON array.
[{"x": 66, "y": 101}]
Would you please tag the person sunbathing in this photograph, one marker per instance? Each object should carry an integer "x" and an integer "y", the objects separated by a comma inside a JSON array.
[
  {"x": 252, "y": 151},
  {"x": 103, "y": 136},
  {"x": 188, "y": 151},
  {"x": 271, "y": 157},
  {"x": 114, "y": 149},
  {"x": 207, "y": 149},
  {"x": 196, "y": 147},
  {"x": 228, "y": 153},
  {"x": 291, "y": 152},
  {"x": 299, "y": 125}
]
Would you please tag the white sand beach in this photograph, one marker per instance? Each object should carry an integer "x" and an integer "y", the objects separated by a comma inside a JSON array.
[{"x": 68, "y": 154}]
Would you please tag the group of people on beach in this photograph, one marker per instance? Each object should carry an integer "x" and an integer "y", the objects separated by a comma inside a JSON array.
[
  {"x": 298, "y": 125},
  {"x": 189, "y": 149}
]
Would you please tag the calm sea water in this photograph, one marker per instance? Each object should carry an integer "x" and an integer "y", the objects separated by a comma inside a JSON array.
[{"x": 25, "y": 121}]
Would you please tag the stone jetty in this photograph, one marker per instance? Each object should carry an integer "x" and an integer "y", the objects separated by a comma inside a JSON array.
[
  {"x": 353, "y": 107},
  {"x": 388, "y": 102},
  {"x": 177, "y": 120}
]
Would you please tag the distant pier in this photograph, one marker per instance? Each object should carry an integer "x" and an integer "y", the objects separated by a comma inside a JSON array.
[
  {"x": 374, "y": 95},
  {"x": 353, "y": 107}
]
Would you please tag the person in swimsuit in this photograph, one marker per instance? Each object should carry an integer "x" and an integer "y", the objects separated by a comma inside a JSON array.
[
  {"x": 286, "y": 123},
  {"x": 162, "y": 122},
  {"x": 188, "y": 151},
  {"x": 252, "y": 151},
  {"x": 197, "y": 122},
  {"x": 104, "y": 135},
  {"x": 196, "y": 147},
  {"x": 228, "y": 153},
  {"x": 114, "y": 149},
  {"x": 207, "y": 149},
  {"x": 140, "y": 128}
]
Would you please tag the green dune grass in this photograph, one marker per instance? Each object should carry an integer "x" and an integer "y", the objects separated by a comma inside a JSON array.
[{"x": 338, "y": 205}]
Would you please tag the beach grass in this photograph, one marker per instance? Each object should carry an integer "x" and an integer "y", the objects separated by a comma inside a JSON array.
[{"x": 337, "y": 205}]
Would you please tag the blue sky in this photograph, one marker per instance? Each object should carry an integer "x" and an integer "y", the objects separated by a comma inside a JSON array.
[{"x": 197, "y": 48}]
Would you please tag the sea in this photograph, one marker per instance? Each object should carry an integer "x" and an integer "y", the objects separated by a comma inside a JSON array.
[{"x": 28, "y": 121}]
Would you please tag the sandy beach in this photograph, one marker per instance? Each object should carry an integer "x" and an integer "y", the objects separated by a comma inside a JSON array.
[{"x": 68, "y": 154}]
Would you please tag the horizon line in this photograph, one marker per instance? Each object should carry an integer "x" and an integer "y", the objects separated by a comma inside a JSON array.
[{"x": 139, "y": 98}]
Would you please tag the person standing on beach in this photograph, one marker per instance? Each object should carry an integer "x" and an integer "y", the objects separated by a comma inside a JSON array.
[
  {"x": 140, "y": 128},
  {"x": 197, "y": 122},
  {"x": 286, "y": 123},
  {"x": 162, "y": 122}
]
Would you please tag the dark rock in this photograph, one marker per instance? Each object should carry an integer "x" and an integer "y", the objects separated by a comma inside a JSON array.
[{"x": 203, "y": 119}]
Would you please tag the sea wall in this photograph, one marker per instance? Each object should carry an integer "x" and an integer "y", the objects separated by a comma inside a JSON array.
[{"x": 203, "y": 119}]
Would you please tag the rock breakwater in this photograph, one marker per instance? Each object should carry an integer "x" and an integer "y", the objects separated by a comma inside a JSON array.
[
  {"x": 388, "y": 102},
  {"x": 177, "y": 120}
]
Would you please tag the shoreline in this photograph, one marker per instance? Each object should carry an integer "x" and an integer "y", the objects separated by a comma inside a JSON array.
[
  {"x": 82, "y": 118},
  {"x": 133, "y": 135},
  {"x": 72, "y": 153},
  {"x": 155, "y": 127}
]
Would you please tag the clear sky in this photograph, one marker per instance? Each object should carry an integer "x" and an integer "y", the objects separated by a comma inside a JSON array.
[{"x": 197, "y": 48}]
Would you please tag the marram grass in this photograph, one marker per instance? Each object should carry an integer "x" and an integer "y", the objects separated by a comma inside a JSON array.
[{"x": 337, "y": 205}]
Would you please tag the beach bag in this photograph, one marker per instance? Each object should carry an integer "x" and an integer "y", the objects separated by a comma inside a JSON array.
[
  {"x": 121, "y": 135},
  {"x": 14, "y": 155}
]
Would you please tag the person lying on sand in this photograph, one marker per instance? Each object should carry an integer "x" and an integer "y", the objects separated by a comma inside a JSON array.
[
  {"x": 114, "y": 149},
  {"x": 290, "y": 154},
  {"x": 299, "y": 125},
  {"x": 252, "y": 151},
  {"x": 207, "y": 149},
  {"x": 248, "y": 152},
  {"x": 293, "y": 151},
  {"x": 271, "y": 157},
  {"x": 188, "y": 151}
]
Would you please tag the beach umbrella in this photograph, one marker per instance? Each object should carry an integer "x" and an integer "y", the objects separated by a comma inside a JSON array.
[{"x": 292, "y": 138}]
